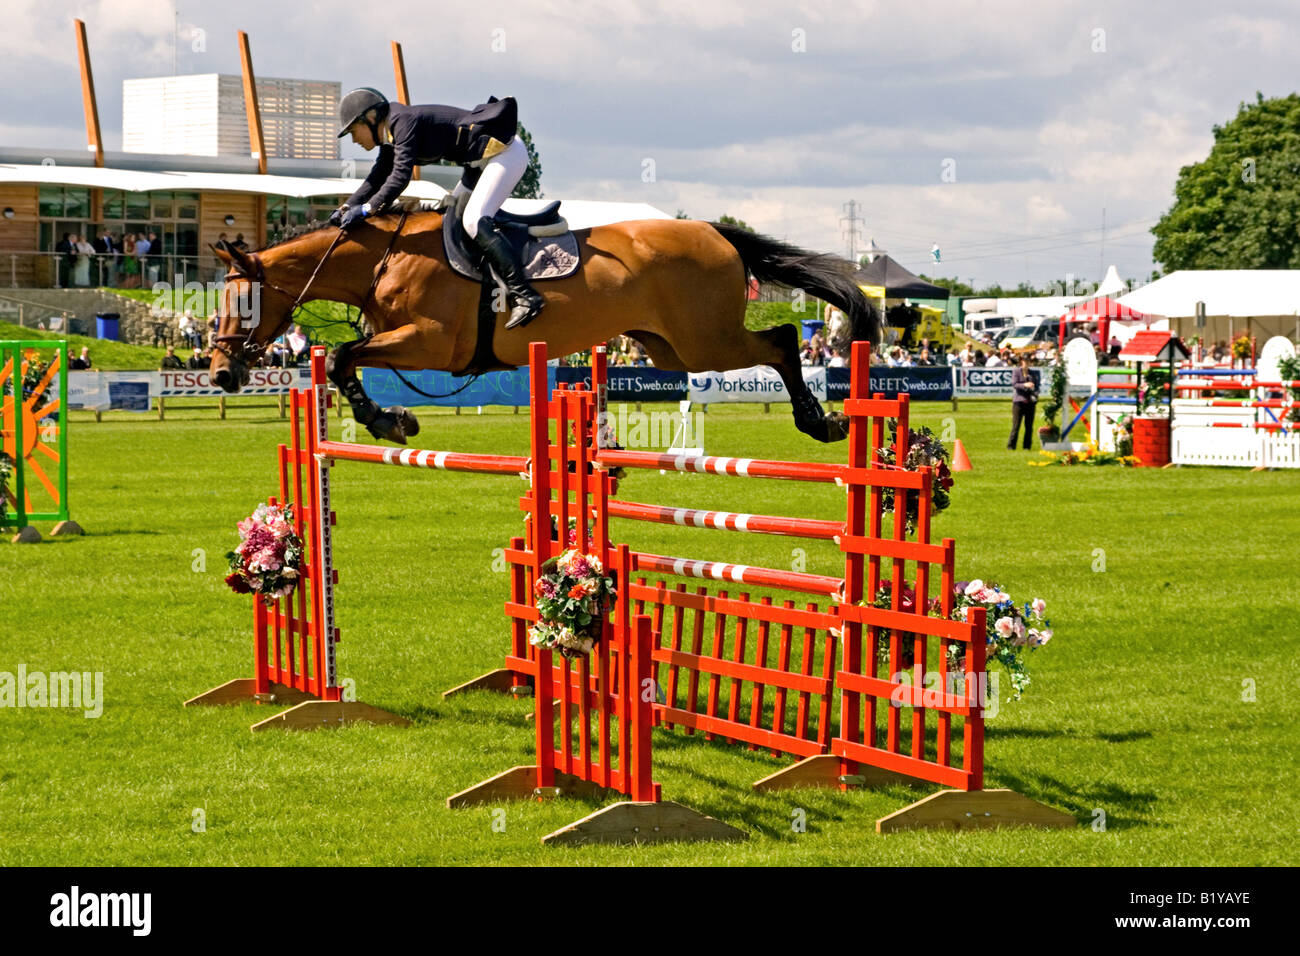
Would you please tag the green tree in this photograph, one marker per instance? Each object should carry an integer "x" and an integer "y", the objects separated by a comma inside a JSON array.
[
  {"x": 530, "y": 184},
  {"x": 1239, "y": 208},
  {"x": 681, "y": 214},
  {"x": 733, "y": 221}
]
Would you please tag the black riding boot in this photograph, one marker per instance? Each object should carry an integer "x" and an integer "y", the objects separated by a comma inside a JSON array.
[{"x": 526, "y": 301}]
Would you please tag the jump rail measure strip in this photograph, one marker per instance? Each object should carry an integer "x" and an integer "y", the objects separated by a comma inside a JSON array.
[{"x": 889, "y": 730}]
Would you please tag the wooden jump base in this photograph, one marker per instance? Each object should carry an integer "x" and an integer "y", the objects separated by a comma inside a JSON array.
[
  {"x": 794, "y": 676},
  {"x": 764, "y": 673}
]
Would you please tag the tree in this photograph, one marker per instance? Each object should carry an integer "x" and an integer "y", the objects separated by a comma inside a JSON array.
[
  {"x": 530, "y": 184},
  {"x": 1240, "y": 207},
  {"x": 732, "y": 221},
  {"x": 681, "y": 214}
]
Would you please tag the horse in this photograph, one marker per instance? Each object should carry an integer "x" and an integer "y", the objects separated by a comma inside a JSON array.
[{"x": 679, "y": 287}]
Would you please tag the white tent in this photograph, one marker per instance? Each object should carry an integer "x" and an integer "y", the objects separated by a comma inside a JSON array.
[{"x": 1257, "y": 302}]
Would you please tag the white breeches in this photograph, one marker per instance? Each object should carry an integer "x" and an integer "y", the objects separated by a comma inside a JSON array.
[{"x": 500, "y": 175}]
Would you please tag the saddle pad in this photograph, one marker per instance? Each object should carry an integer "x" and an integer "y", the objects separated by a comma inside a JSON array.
[{"x": 544, "y": 257}]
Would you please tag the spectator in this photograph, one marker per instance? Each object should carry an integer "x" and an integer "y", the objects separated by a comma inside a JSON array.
[
  {"x": 196, "y": 361},
  {"x": 967, "y": 356},
  {"x": 1024, "y": 401},
  {"x": 279, "y": 353},
  {"x": 81, "y": 270},
  {"x": 924, "y": 358},
  {"x": 979, "y": 358},
  {"x": 995, "y": 361},
  {"x": 142, "y": 246},
  {"x": 155, "y": 257},
  {"x": 1115, "y": 346},
  {"x": 66, "y": 260},
  {"x": 130, "y": 264},
  {"x": 300, "y": 345},
  {"x": 170, "y": 360},
  {"x": 1219, "y": 352},
  {"x": 108, "y": 247},
  {"x": 81, "y": 362},
  {"x": 212, "y": 332},
  {"x": 239, "y": 242}
]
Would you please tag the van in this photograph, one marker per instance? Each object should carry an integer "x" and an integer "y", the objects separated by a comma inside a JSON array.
[
  {"x": 986, "y": 323},
  {"x": 1033, "y": 330}
]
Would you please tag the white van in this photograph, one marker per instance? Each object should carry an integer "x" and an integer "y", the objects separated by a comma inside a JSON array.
[
  {"x": 1033, "y": 330},
  {"x": 986, "y": 323}
]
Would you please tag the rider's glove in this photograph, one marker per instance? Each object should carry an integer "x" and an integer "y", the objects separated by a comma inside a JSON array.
[
  {"x": 336, "y": 217},
  {"x": 354, "y": 215}
]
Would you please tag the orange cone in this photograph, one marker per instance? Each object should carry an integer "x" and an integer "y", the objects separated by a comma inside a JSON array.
[{"x": 960, "y": 460}]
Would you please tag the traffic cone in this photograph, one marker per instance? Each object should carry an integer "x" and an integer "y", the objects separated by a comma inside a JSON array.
[{"x": 960, "y": 460}]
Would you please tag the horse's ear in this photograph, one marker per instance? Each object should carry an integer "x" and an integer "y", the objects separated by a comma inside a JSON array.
[{"x": 234, "y": 257}]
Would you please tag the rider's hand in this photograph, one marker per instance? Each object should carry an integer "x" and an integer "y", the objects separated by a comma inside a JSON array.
[
  {"x": 336, "y": 217},
  {"x": 354, "y": 215},
  {"x": 448, "y": 201}
]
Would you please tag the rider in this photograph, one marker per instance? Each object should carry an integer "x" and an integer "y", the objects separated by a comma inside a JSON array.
[{"x": 482, "y": 139}]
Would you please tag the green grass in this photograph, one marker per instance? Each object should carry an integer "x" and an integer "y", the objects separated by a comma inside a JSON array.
[{"x": 1136, "y": 708}]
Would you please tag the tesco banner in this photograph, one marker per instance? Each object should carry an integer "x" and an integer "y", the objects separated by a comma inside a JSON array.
[
  {"x": 174, "y": 383},
  {"x": 758, "y": 384}
]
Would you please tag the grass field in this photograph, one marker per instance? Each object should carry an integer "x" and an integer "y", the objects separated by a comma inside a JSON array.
[{"x": 1136, "y": 709}]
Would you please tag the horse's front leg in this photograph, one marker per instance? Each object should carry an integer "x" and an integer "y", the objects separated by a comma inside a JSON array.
[{"x": 395, "y": 423}]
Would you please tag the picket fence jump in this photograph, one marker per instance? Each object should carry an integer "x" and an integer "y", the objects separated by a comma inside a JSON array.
[{"x": 836, "y": 682}]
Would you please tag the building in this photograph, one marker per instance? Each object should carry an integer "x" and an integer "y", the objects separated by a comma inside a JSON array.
[
  {"x": 204, "y": 115},
  {"x": 187, "y": 201}
]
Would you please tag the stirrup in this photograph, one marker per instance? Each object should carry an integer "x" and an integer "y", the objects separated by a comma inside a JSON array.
[{"x": 524, "y": 312}]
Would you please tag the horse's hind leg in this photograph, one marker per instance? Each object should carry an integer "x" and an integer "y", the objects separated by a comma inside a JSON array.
[
  {"x": 809, "y": 416},
  {"x": 395, "y": 423}
]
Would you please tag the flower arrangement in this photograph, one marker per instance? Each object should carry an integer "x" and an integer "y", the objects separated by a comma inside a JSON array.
[
  {"x": 1290, "y": 371},
  {"x": 6, "y": 469},
  {"x": 1011, "y": 627},
  {"x": 1050, "y": 429},
  {"x": 572, "y": 596},
  {"x": 269, "y": 554},
  {"x": 923, "y": 450},
  {"x": 1241, "y": 347},
  {"x": 1089, "y": 456},
  {"x": 1124, "y": 436}
]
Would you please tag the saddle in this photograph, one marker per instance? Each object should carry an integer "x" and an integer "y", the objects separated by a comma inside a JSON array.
[{"x": 542, "y": 240}]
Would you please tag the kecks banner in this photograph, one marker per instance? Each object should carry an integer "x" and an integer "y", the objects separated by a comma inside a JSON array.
[{"x": 978, "y": 382}]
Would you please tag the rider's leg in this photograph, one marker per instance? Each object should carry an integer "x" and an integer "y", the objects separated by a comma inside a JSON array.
[{"x": 499, "y": 176}]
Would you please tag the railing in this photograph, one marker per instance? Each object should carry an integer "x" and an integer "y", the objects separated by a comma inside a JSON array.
[{"x": 59, "y": 270}]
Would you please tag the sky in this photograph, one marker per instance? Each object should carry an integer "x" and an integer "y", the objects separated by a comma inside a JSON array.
[{"x": 1003, "y": 132}]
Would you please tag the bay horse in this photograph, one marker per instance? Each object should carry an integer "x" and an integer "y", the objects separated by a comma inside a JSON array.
[{"x": 677, "y": 286}]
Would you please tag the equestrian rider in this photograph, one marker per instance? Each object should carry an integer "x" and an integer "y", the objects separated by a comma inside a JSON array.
[{"x": 483, "y": 140}]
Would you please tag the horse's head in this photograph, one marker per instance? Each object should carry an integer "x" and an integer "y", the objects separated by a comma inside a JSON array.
[{"x": 253, "y": 313}]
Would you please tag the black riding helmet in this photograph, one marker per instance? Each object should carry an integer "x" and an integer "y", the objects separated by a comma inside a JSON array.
[{"x": 354, "y": 106}]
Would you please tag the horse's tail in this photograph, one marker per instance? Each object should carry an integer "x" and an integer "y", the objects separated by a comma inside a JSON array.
[{"x": 825, "y": 276}]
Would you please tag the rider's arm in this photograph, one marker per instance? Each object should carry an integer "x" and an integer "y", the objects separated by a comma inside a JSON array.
[
  {"x": 403, "y": 162},
  {"x": 378, "y": 175}
]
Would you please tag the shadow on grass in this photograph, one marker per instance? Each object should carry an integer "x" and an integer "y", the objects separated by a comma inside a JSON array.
[{"x": 1082, "y": 802}]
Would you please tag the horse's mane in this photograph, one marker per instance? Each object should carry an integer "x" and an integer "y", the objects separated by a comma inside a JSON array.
[{"x": 298, "y": 233}]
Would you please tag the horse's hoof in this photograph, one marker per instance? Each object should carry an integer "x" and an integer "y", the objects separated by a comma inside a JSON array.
[
  {"x": 406, "y": 420},
  {"x": 387, "y": 427},
  {"x": 837, "y": 426}
]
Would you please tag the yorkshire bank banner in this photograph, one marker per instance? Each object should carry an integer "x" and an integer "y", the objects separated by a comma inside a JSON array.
[{"x": 759, "y": 384}]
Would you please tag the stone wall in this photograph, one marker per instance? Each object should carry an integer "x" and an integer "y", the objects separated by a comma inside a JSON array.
[{"x": 80, "y": 306}]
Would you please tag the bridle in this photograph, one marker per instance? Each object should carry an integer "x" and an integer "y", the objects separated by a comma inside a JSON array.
[{"x": 249, "y": 350}]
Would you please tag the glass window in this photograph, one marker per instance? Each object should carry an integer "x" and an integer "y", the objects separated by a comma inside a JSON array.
[
  {"x": 76, "y": 202},
  {"x": 137, "y": 205},
  {"x": 114, "y": 204},
  {"x": 162, "y": 205},
  {"x": 51, "y": 202}
]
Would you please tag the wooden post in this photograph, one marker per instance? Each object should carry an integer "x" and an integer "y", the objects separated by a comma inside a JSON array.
[
  {"x": 281, "y": 398},
  {"x": 403, "y": 93},
  {"x": 161, "y": 413},
  {"x": 93, "y": 141},
  {"x": 221, "y": 407},
  {"x": 256, "y": 145}
]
